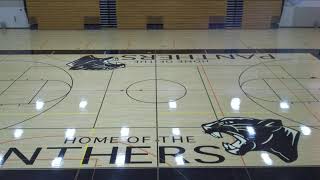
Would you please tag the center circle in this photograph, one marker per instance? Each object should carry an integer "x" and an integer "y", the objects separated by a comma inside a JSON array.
[{"x": 156, "y": 91}]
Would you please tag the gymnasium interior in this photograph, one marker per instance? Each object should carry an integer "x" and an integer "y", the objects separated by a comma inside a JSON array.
[{"x": 159, "y": 90}]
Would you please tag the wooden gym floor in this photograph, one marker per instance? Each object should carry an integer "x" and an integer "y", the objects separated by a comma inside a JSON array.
[{"x": 240, "y": 104}]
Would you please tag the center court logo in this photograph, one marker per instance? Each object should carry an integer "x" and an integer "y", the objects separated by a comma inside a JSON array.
[{"x": 256, "y": 135}]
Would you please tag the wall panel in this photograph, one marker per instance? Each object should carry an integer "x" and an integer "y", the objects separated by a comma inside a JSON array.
[
  {"x": 170, "y": 14},
  {"x": 62, "y": 14},
  {"x": 261, "y": 14},
  {"x": 176, "y": 14}
]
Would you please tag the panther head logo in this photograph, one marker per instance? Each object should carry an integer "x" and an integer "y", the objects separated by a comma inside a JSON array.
[
  {"x": 256, "y": 135},
  {"x": 91, "y": 62}
]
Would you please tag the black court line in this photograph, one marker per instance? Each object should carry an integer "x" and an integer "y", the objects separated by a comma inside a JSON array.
[
  {"x": 157, "y": 120},
  {"x": 165, "y": 90},
  {"x": 247, "y": 81},
  {"x": 282, "y": 82},
  {"x": 299, "y": 83},
  {"x": 15, "y": 81},
  {"x": 104, "y": 96},
  {"x": 214, "y": 111},
  {"x": 23, "y": 80},
  {"x": 192, "y": 173},
  {"x": 262, "y": 106},
  {"x": 314, "y": 52},
  {"x": 61, "y": 99},
  {"x": 38, "y": 92},
  {"x": 178, "y": 65},
  {"x": 144, "y": 127},
  {"x": 272, "y": 89},
  {"x": 156, "y": 90},
  {"x": 46, "y": 101}
]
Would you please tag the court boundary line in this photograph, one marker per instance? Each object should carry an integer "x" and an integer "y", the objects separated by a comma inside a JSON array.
[
  {"x": 296, "y": 79},
  {"x": 214, "y": 111},
  {"x": 263, "y": 107},
  {"x": 38, "y": 91},
  {"x": 277, "y": 95},
  {"x": 145, "y": 127},
  {"x": 25, "y": 71},
  {"x": 290, "y": 90},
  {"x": 274, "y": 101},
  {"x": 157, "y": 115},
  {"x": 61, "y": 99},
  {"x": 315, "y": 52},
  {"x": 104, "y": 96},
  {"x": 179, "y": 167}
]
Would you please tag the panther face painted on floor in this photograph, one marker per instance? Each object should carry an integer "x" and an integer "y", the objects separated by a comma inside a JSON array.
[
  {"x": 93, "y": 63},
  {"x": 256, "y": 135}
]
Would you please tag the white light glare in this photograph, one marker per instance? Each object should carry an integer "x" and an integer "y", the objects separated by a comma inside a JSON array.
[
  {"x": 176, "y": 131},
  {"x": 284, "y": 105},
  {"x": 69, "y": 134},
  {"x": 83, "y": 104},
  {"x": 57, "y": 162},
  {"x": 18, "y": 133},
  {"x": 179, "y": 160},
  {"x": 1, "y": 159},
  {"x": 39, "y": 104},
  {"x": 235, "y": 104},
  {"x": 124, "y": 131},
  {"x": 305, "y": 130},
  {"x": 266, "y": 158},
  {"x": 120, "y": 160},
  {"x": 172, "y": 104},
  {"x": 251, "y": 131}
]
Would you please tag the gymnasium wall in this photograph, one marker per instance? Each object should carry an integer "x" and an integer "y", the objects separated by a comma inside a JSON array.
[
  {"x": 158, "y": 14},
  {"x": 173, "y": 14},
  {"x": 63, "y": 14},
  {"x": 261, "y": 14},
  {"x": 197, "y": 14}
]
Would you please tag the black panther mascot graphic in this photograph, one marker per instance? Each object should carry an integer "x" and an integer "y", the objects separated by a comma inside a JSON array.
[
  {"x": 256, "y": 135},
  {"x": 93, "y": 63}
]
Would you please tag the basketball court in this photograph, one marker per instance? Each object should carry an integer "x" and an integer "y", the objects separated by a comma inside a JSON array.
[
  {"x": 160, "y": 114},
  {"x": 159, "y": 90}
]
